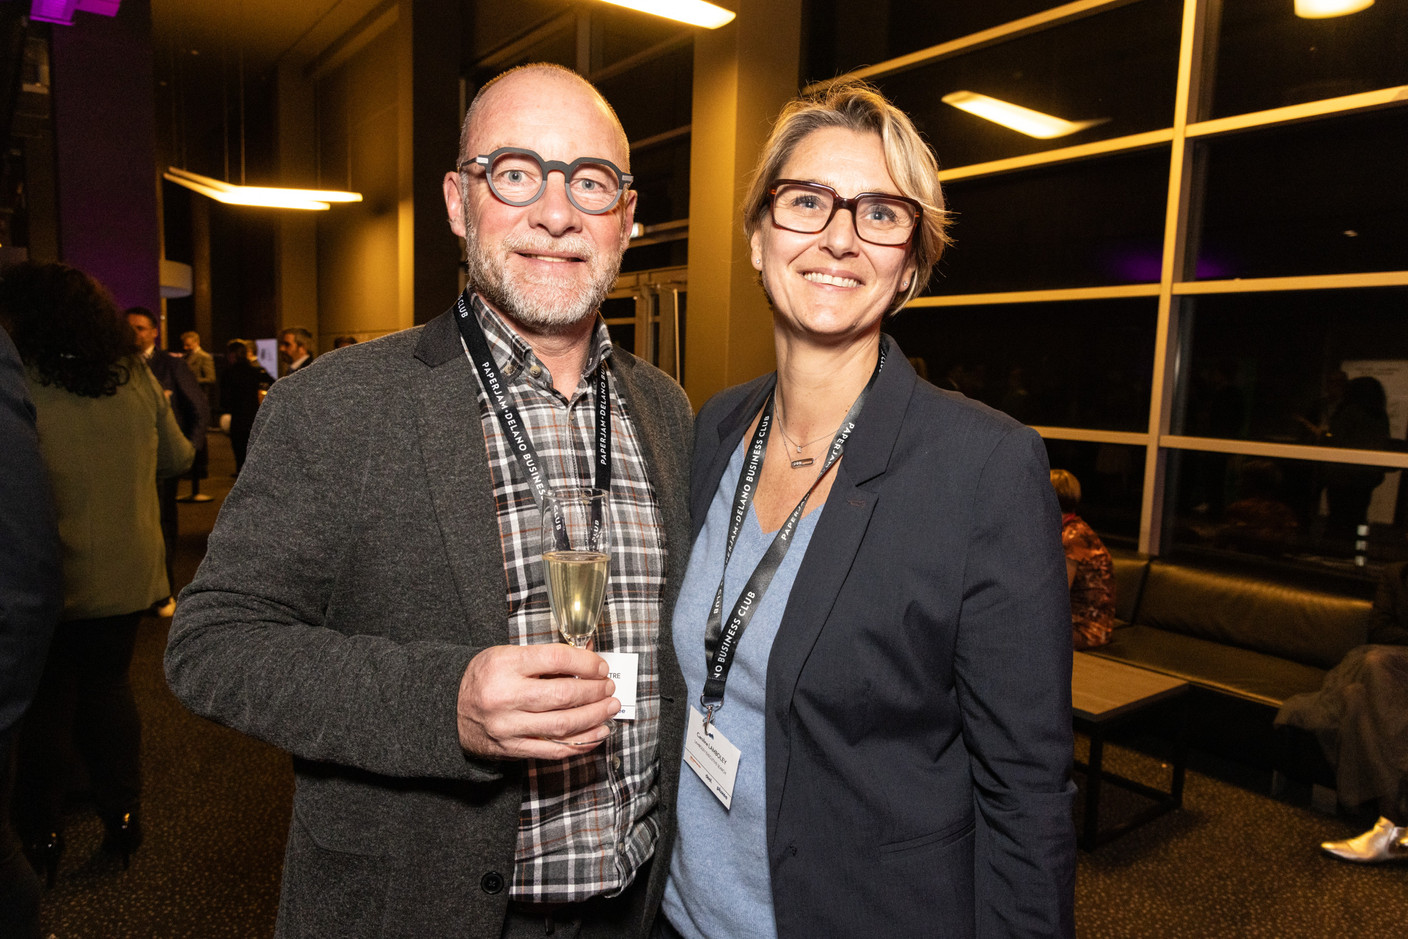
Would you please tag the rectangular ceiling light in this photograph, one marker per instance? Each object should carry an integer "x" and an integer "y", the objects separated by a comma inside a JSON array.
[
  {"x": 693, "y": 12},
  {"x": 1014, "y": 116},
  {"x": 1322, "y": 9},
  {"x": 270, "y": 197}
]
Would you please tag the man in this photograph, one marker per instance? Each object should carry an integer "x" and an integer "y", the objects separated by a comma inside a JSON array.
[
  {"x": 202, "y": 366},
  {"x": 295, "y": 345},
  {"x": 192, "y": 412},
  {"x": 454, "y": 775},
  {"x": 31, "y": 598}
]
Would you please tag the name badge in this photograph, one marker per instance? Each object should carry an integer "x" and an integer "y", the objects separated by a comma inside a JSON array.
[
  {"x": 624, "y": 669},
  {"x": 713, "y": 759}
]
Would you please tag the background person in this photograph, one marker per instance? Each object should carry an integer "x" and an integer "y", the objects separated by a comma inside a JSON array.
[
  {"x": 31, "y": 597},
  {"x": 296, "y": 348},
  {"x": 901, "y": 694},
  {"x": 188, "y": 404},
  {"x": 395, "y": 637},
  {"x": 202, "y": 366},
  {"x": 246, "y": 381},
  {"x": 1360, "y": 718},
  {"x": 1360, "y": 422},
  {"x": 1090, "y": 572},
  {"x": 106, "y": 432}
]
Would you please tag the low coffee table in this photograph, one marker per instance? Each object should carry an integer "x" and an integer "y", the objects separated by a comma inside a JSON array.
[{"x": 1104, "y": 695}]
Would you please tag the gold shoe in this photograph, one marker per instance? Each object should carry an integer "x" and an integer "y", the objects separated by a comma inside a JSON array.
[{"x": 1383, "y": 842}]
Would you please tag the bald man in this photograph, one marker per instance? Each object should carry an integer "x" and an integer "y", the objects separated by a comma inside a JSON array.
[{"x": 456, "y": 774}]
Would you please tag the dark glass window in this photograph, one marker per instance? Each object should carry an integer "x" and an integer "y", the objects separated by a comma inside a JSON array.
[
  {"x": 655, "y": 96},
  {"x": 1325, "y": 197},
  {"x": 1277, "y": 367},
  {"x": 652, "y": 256},
  {"x": 662, "y": 181},
  {"x": 841, "y": 35},
  {"x": 1092, "y": 223},
  {"x": 1111, "y": 480},
  {"x": 1328, "y": 514},
  {"x": 1117, "y": 68},
  {"x": 620, "y": 311},
  {"x": 617, "y": 34},
  {"x": 1076, "y": 364},
  {"x": 558, "y": 47},
  {"x": 1267, "y": 57}
]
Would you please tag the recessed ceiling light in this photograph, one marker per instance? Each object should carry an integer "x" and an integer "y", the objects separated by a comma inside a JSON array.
[
  {"x": 1322, "y": 9},
  {"x": 693, "y": 12},
  {"x": 1015, "y": 117}
]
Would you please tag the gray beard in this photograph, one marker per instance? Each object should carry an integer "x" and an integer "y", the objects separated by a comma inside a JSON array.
[{"x": 540, "y": 303}]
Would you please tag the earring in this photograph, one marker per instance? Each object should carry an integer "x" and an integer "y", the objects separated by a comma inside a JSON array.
[{"x": 904, "y": 286}]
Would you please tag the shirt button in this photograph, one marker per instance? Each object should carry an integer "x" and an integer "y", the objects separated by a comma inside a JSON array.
[
  {"x": 615, "y": 762},
  {"x": 535, "y": 370}
]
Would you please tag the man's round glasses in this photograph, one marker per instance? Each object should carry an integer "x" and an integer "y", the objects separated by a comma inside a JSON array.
[
  {"x": 878, "y": 217},
  {"x": 520, "y": 177}
]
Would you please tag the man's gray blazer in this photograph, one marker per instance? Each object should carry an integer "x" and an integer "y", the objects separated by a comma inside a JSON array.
[{"x": 353, "y": 573}]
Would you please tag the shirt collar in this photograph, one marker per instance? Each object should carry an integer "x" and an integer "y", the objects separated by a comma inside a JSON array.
[{"x": 513, "y": 354}]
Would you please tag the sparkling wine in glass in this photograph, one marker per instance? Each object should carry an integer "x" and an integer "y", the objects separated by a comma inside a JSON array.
[{"x": 576, "y": 555}]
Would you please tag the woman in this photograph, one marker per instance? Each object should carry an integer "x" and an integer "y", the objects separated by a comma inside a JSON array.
[
  {"x": 898, "y": 693},
  {"x": 1090, "y": 572},
  {"x": 244, "y": 386},
  {"x": 106, "y": 433},
  {"x": 1360, "y": 719}
]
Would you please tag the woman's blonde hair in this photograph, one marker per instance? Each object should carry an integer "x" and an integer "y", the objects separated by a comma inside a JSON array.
[{"x": 858, "y": 106}]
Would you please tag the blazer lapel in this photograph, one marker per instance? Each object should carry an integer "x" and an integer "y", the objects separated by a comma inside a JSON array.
[
  {"x": 451, "y": 439},
  {"x": 710, "y": 464},
  {"x": 830, "y": 554}
]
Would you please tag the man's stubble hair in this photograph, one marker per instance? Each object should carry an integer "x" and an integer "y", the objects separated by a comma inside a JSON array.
[{"x": 561, "y": 309}]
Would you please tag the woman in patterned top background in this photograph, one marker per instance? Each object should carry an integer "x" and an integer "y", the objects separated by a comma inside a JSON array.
[{"x": 1089, "y": 570}]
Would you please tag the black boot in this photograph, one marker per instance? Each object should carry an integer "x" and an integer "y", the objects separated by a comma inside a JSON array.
[
  {"x": 44, "y": 852},
  {"x": 123, "y": 835}
]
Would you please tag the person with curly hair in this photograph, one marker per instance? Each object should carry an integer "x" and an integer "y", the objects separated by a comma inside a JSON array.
[
  {"x": 106, "y": 433},
  {"x": 1090, "y": 571}
]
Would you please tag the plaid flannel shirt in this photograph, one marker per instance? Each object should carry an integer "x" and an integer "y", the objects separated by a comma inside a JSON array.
[{"x": 587, "y": 823}]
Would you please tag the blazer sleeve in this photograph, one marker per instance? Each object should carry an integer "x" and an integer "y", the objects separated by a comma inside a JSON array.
[
  {"x": 1013, "y": 679},
  {"x": 193, "y": 407},
  {"x": 174, "y": 452},
  {"x": 273, "y": 637},
  {"x": 30, "y": 568}
]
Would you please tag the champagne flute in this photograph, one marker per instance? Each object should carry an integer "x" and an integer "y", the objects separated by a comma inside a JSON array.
[{"x": 576, "y": 554}]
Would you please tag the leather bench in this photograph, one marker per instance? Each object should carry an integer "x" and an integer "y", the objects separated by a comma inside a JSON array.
[{"x": 1245, "y": 639}]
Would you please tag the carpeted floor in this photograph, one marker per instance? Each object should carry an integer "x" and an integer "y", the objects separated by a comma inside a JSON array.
[{"x": 1231, "y": 863}]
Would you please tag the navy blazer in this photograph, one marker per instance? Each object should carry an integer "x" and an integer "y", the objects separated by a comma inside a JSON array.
[
  {"x": 31, "y": 565},
  {"x": 918, "y": 726}
]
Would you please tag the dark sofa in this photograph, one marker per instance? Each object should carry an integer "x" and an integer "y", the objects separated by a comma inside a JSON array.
[{"x": 1246, "y": 639}]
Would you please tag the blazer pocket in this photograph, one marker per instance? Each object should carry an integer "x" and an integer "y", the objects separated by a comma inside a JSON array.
[
  {"x": 935, "y": 841},
  {"x": 344, "y": 815}
]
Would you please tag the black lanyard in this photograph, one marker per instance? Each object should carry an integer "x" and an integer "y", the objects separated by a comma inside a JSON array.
[
  {"x": 720, "y": 640},
  {"x": 492, "y": 381}
]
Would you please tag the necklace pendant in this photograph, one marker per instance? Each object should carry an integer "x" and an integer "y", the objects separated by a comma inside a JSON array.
[{"x": 805, "y": 461}]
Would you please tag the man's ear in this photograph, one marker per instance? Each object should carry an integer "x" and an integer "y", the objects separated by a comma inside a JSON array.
[
  {"x": 628, "y": 217},
  {"x": 453, "y": 207}
]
